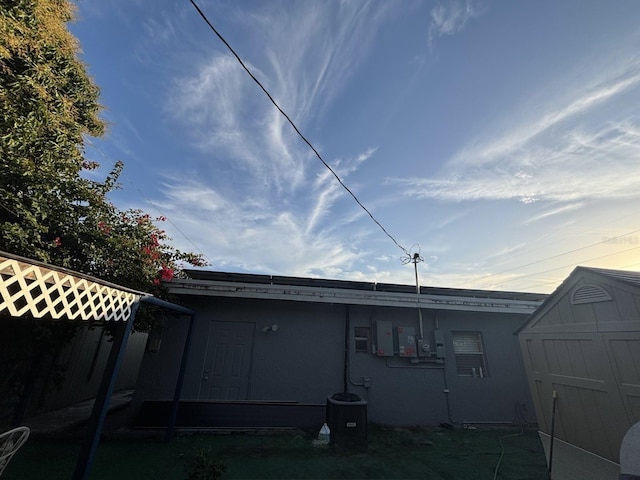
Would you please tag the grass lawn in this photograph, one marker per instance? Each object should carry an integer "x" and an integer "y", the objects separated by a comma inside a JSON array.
[{"x": 392, "y": 453}]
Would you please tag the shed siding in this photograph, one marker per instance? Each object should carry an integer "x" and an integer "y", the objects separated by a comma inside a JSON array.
[
  {"x": 588, "y": 411},
  {"x": 590, "y": 354},
  {"x": 624, "y": 351},
  {"x": 627, "y": 304}
]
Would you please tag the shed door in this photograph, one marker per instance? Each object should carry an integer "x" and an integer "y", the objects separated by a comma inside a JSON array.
[{"x": 225, "y": 374}]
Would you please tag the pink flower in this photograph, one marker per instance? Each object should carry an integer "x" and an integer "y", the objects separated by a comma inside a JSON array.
[
  {"x": 104, "y": 227},
  {"x": 166, "y": 273},
  {"x": 57, "y": 242},
  {"x": 156, "y": 281},
  {"x": 89, "y": 165}
]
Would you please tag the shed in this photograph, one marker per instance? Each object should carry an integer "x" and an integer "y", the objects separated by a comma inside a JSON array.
[{"x": 583, "y": 343}]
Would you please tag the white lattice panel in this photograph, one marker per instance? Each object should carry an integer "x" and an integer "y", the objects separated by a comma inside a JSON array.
[{"x": 42, "y": 291}]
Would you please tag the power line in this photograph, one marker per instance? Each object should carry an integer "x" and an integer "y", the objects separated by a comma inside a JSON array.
[
  {"x": 564, "y": 266},
  {"x": 608, "y": 240},
  {"x": 204, "y": 17},
  {"x": 558, "y": 281},
  {"x": 537, "y": 248}
]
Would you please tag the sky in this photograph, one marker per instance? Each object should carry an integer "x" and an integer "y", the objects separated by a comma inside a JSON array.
[{"x": 499, "y": 140}]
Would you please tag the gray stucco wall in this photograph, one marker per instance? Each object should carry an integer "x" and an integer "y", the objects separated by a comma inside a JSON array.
[
  {"x": 403, "y": 393},
  {"x": 304, "y": 361}
]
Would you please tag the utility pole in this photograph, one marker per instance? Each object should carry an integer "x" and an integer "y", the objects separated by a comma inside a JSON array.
[{"x": 415, "y": 260}]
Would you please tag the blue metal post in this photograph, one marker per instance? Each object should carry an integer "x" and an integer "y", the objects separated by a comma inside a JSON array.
[
  {"x": 101, "y": 405},
  {"x": 178, "y": 390}
]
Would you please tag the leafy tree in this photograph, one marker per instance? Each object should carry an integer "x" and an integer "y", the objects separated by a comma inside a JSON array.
[{"x": 50, "y": 208}]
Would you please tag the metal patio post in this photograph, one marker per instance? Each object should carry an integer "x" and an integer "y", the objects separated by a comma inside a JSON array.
[{"x": 101, "y": 405}]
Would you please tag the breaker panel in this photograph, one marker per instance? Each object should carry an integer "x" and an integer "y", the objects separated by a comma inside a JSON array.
[{"x": 384, "y": 338}]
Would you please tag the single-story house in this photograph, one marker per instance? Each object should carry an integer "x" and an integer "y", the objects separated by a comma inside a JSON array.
[
  {"x": 583, "y": 343},
  {"x": 266, "y": 344}
]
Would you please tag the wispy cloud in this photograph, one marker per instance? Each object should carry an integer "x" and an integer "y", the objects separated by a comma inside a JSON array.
[
  {"x": 555, "y": 211},
  {"x": 451, "y": 17},
  {"x": 586, "y": 148},
  {"x": 274, "y": 193},
  {"x": 233, "y": 230},
  {"x": 515, "y": 141},
  {"x": 309, "y": 58}
]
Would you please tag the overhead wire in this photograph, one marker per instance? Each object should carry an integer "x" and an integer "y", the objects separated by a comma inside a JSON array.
[
  {"x": 557, "y": 281},
  {"x": 565, "y": 266},
  {"x": 344, "y": 186},
  {"x": 608, "y": 240},
  {"x": 536, "y": 247}
]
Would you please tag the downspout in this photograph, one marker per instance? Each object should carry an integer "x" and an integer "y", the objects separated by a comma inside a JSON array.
[
  {"x": 446, "y": 396},
  {"x": 347, "y": 329},
  {"x": 445, "y": 390}
]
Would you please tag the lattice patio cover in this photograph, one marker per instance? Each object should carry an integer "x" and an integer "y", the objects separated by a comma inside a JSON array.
[{"x": 43, "y": 291}]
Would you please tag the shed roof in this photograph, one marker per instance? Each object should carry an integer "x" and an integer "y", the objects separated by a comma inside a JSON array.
[
  {"x": 629, "y": 280},
  {"x": 625, "y": 276}
]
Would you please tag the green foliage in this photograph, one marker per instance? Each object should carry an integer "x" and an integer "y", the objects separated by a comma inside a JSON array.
[
  {"x": 206, "y": 466},
  {"x": 50, "y": 208}
]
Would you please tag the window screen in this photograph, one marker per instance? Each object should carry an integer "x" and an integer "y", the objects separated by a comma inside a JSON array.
[{"x": 470, "y": 361}]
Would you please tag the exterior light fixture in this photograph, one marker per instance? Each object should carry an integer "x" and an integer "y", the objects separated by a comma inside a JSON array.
[{"x": 270, "y": 328}]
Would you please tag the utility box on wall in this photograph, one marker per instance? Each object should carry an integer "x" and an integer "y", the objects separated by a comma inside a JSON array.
[
  {"x": 438, "y": 336},
  {"x": 384, "y": 338},
  {"x": 407, "y": 342}
]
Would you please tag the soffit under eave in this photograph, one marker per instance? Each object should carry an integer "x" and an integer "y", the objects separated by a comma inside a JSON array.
[{"x": 351, "y": 297}]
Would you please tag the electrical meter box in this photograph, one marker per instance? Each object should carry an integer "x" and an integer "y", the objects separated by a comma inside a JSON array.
[
  {"x": 384, "y": 338},
  {"x": 424, "y": 347},
  {"x": 407, "y": 342}
]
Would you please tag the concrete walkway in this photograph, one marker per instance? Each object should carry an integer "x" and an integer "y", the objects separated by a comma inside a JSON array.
[{"x": 73, "y": 416}]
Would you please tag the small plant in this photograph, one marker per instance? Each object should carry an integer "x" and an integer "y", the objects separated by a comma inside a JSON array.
[{"x": 206, "y": 466}]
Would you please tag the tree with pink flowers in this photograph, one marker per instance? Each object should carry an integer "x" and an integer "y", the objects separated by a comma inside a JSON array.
[{"x": 51, "y": 209}]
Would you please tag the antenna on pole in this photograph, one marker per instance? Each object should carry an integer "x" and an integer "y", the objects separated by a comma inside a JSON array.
[{"x": 415, "y": 258}]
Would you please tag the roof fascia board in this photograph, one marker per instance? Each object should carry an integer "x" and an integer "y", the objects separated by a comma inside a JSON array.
[{"x": 349, "y": 296}]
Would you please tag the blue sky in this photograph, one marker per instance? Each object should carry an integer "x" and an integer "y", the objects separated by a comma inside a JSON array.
[{"x": 503, "y": 138}]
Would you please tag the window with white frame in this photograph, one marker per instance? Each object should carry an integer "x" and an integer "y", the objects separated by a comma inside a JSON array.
[
  {"x": 470, "y": 360},
  {"x": 362, "y": 336}
]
